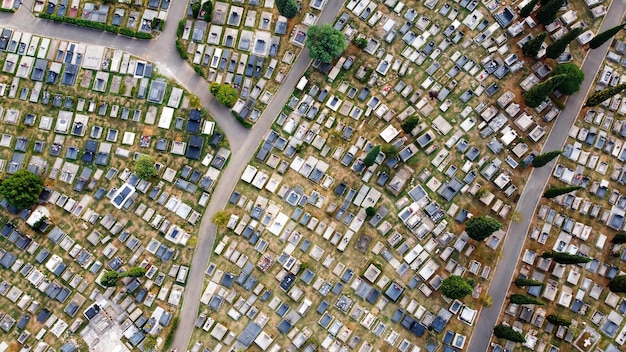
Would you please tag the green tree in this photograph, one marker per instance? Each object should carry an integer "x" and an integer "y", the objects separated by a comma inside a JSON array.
[
  {"x": 523, "y": 282},
  {"x": 618, "y": 284},
  {"x": 619, "y": 238},
  {"x": 455, "y": 287},
  {"x": 220, "y": 218},
  {"x": 524, "y": 299},
  {"x": 214, "y": 88},
  {"x": 538, "y": 93},
  {"x": 135, "y": 271},
  {"x": 543, "y": 159},
  {"x": 601, "y": 38},
  {"x": 109, "y": 279},
  {"x": 575, "y": 77},
  {"x": 195, "y": 9},
  {"x": 370, "y": 211},
  {"x": 325, "y": 43},
  {"x": 565, "y": 258},
  {"x": 360, "y": 43},
  {"x": 145, "y": 167},
  {"x": 390, "y": 150},
  {"x": 287, "y": 8},
  {"x": 528, "y": 8},
  {"x": 481, "y": 227},
  {"x": 547, "y": 13},
  {"x": 558, "y": 320},
  {"x": 600, "y": 97},
  {"x": 507, "y": 332},
  {"x": 227, "y": 95},
  {"x": 207, "y": 7},
  {"x": 370, "y": 157},
  {"x": 558, "y": 46},
  {"x": 531, "y": 48},
  {"x": 409, "y": 124},
  {"x": 557, "y": 191},
  {"x": 22, "y": 189}
]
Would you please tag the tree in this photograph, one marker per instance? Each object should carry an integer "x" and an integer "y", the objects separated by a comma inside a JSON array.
[
  {"x": 371, "y": 156},
  {"x": 538, "y": 93},
  {"x": 524, "y": 299},
  {"x": 195, "y": 9},
  {"x": 565, "y": 258},
  {"x": 220, "y": 218},
  {"x": 523, "y": 282},
  {"x": 618, "y": 284},
  {"x": 370, "y": 211},
  {"x": 227, "y": 96},
  {"x": 135, "y": 271},
  {"x": 531, "y": 48},
  {"x": 145, "y": 167},
  {"x": 619, "y": 238},
  {"x": 109, "y": 279},
  {"x": 558, "y": 320},
  {"x": 557, "y": 191},
  {"x": 481, "y": 227},
  {"x": 456, "y": 287},
  {"x": 360, "y": 43},
  {"x": 207, "y": 7},
  {"x": 22, "y": 189},
  {"x": 543, "y": 159},
  {"x": 507, "y": 332},
  {"x": 558, "y": 46},
  {"x": 214, "y": 88},
  {"x": 547, "y": 13},
  {"x": 575, "y": 77},
  {"x": 601, "y": 38},
  {"x": 528, "y": 8},
  {"x": 287, "y": 8},
  {"x": 325, "y": 42},
  {"x": 409, "y": 124},
  {"x": 600, "y": 97},
  {"x": 390, "y": 150}
]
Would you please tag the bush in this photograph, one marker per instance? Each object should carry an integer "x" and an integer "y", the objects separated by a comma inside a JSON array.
[
  {"x": 145, "y": 167},
  {"x": 524, "y": 299},
  {"x": 565, "y": 258},
  {"x": 135, "y": 271},
  {"x": 575, "y": 78},
  {"x": 523, "y": 282},
  {"x": 619, "y": 238},
  {"x": 143, "y": 35},
  {"x": 111, "y": 29},
  {"x": 181, "y": 28},
  {"x": 618, "y": 284},
  {"x": 409, "y": 124},
  {"x": 325, "y": 43},
  {"x": 198, "y": 70},
  {"x": 558, "y": 320},
  {"x": 360, "y": 43},
  {"x": 181, "y": 51},
  {"x": 227, "y": 95},
  {"x": 109, "y": 279},
  {"x": 557, "y": 191},
  {"x": 455, "y": 287},
  {"x": 481, "y": 227},
  {"x": 220, "y": 218},
  {"x": 245, "y": 123},
  {"x": 547, "y": 13},
  {"x": 528, "y": 8},
  {"x": 95, "y": 25},
  {"x": 371, "y": 156},
  {"x": 601, "y": 38},
  {"x": 214, "y": 88},
  {"x": 11, "y": 10},
  {"x": 531, "y": 48},
  {"x": 22, "y": 189},
  {"x": 287, "y": 8},
  {"x": 127, "y": 32},
  {"x": 600, "y": 97},
  {"x": 558, "y": 46},
  {"x": 207, "y": 7},
  {"x": 543, "y": 159},
  {"x": 370, "y": 211},
  {"x": 507, "y": 332},
  {"x": 195, "y": 9}
]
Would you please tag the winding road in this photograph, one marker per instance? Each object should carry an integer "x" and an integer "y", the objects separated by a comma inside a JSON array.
[
  {"x": 243, "y": 142},
  {"x": 516, "y": 235}
]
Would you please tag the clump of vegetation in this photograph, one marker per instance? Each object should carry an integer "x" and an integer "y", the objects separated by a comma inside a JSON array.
[
  {"x": 523, "y": 282},
  {"x": 181, "y": 51},
  {"x": 195, "y": 9},
  {"x": 524, "y": 299},
  {"x": 565, "y": 258},
  {"x": 543, "y": 159},
  {"x": 557, "y": 47},
  {"x": 370, "y": 157},
  {"x": 360, "y": 43},
  {"x": 456, "y": 287},
  {"x": 22, "y": 189},
  {"x": 481, "y": 227},
  {"x": 558, "y": 320},
  {"x": 225, "y": 94},
  {"x": 547, "y": 13},
  {"x": 619, "y": 238},
  {"x": 531, "y": 48},
  {"x": 601, "y": 38},
  {"x": 508, "y": 333},
  {"x": 557, "y": 191},
  {"x": 370, "y": 211},
  {"x": 599, "y": 97},
  {"x": 539, "y": 92},
  {"x": 111, "y": 278},
  {"x": 145, "y": 167},
  {"x": 528, "y": 8},
  {"x": 220, "y": 219},
  {"x": 325, "y": 43},
  {"x": 575, "y": 77},
  {"x": 409, "y": 124},
  {"x": 618, "y": 284},
  {"x": 207, "y": 8},
  {"x": 287, "y": 8}
]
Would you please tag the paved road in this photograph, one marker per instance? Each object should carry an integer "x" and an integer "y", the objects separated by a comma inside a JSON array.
[
  {"x": 534, "y": 187},
  {"x": 243, "y": 142}
]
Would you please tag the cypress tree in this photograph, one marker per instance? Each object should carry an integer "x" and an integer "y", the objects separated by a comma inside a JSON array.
[
  {"x": 557, "y": 191},
  {"x": 557, "y": 47},
  {"x": 538, "y": 93},
  {"x": 599, "y": 97},
  {"x": 541, "y": 160},
  {"x": 547, "y": 13},
  {"x": 524, "y": 299},
  {"x": 528, "y": 8},
  {"x": 531, "y": 48},
  {"x": 601, "y": 38}
]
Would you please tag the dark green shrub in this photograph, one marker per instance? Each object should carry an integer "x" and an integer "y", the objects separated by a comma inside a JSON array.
[
  {"x": 558, "y": 320},
  {"x": 619, "y": 238},
  {"x": 565, "y": 258},
  {"x": 523, "y": 282},
  {"x": 524, "y": 299},
  {"x": 507, "y": 332},
  {"x": 557, "y": 191},
  {"x": 543, "y": 159}
]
